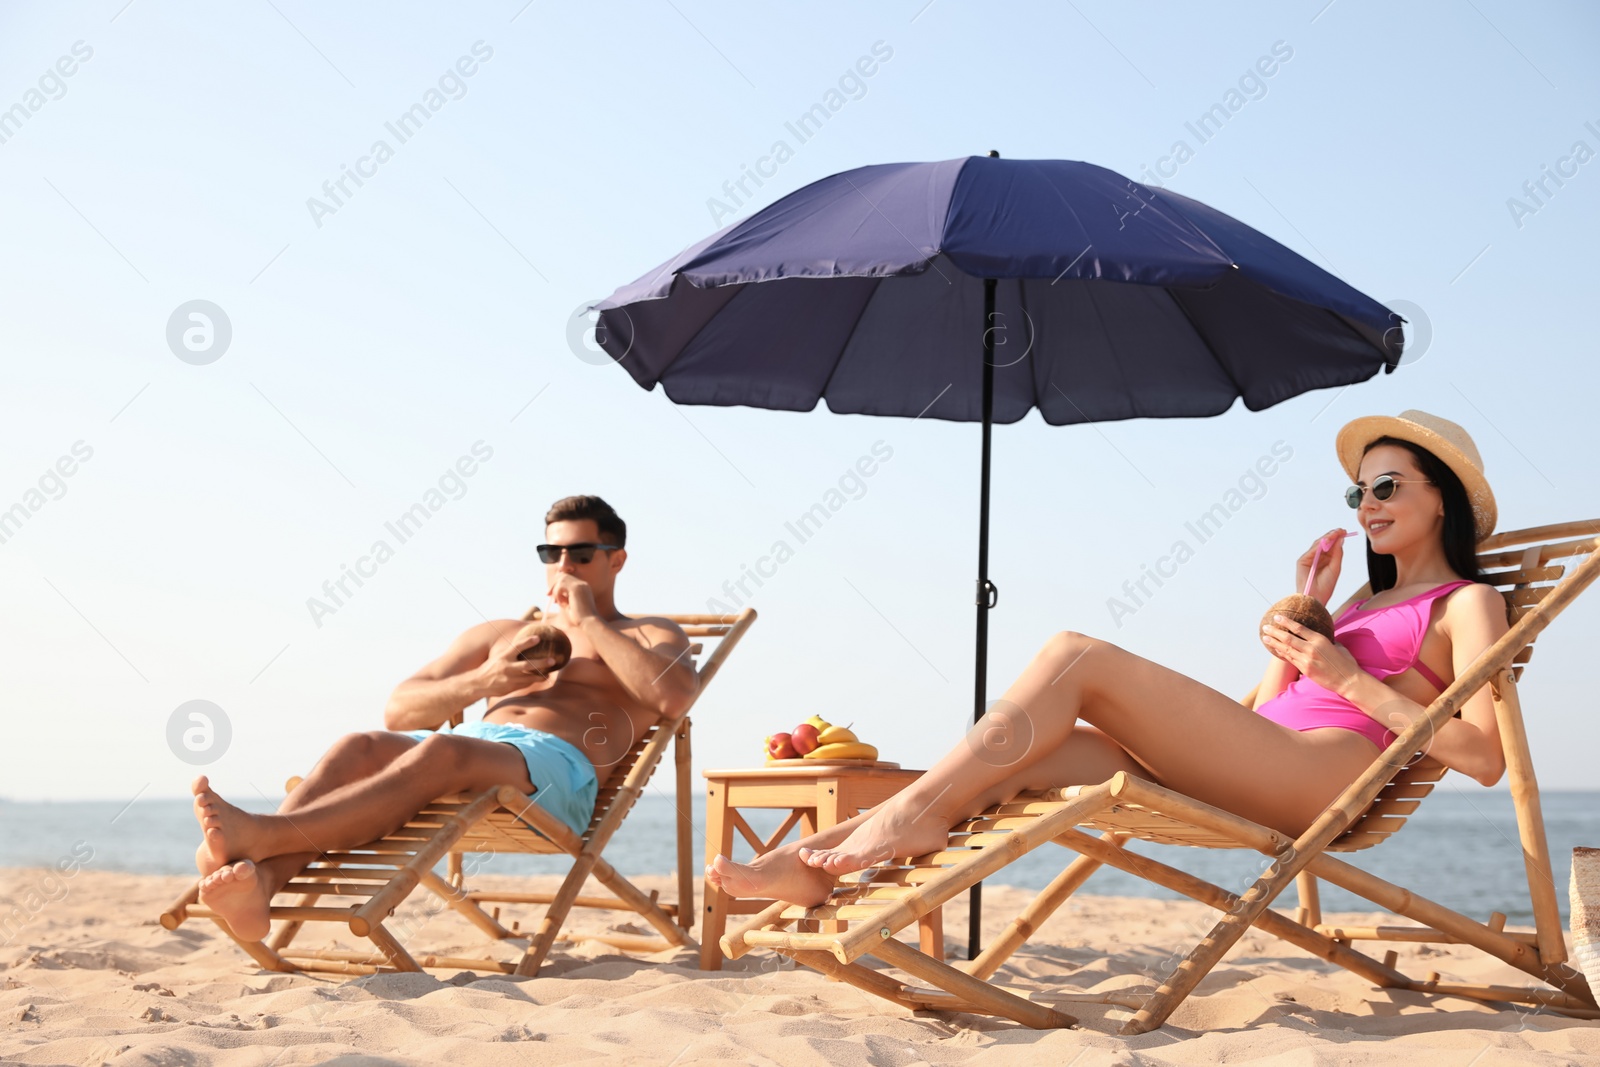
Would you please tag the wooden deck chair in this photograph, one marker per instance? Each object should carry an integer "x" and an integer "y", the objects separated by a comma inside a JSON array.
[
  {"x": 885, "y": 900},
  {"x": 363, "y": 886}
]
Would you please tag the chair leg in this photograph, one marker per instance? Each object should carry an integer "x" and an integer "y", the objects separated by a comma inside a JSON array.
[
  {"x": 1215, "y": 896},
  {"x": 1420, "y": 909},
  {"x": 930, "y": 934},
  {"x": 1034, "y": 915},
  {"x": 392, "y": 950},
  {"x": 1208, "y": 952},
  {"x": 642, "y": 903},
  {"x": 453, "y": 870},
  {"x": 1310, "y": 913},
  {"x": 262, "y": 953},
  {"x": 452, "y": 894},
  {"x": 863, "y": 978},
  {"x": 290, "y": 927},
  {"x": 980, "y": 994},
  {"x": 555, "y": 916}
]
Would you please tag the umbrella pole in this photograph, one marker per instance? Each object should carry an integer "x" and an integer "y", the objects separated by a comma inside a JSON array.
[{"x": 987, "y": 594}]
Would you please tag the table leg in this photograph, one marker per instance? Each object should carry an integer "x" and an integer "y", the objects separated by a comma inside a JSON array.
[
  {"x": 719, "y": 842},
  {"x": 833, "y": 808}
]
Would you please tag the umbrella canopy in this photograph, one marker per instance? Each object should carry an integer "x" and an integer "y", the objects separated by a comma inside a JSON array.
[
  {"x": 1113, "y": 301},
  {"x": 975, "y": 289}
]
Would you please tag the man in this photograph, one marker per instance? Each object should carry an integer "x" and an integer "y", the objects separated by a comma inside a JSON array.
[{"x": 553, "y": 736}]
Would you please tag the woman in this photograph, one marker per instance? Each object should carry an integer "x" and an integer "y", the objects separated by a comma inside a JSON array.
[{"x": 1085, "y": 709}]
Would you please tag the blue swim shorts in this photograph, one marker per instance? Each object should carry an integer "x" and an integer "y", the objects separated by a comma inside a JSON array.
[{"x": 563, "y": 779}]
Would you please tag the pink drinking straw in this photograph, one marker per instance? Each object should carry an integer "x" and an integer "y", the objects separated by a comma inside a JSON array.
[{"x": 1316, "y": 557}]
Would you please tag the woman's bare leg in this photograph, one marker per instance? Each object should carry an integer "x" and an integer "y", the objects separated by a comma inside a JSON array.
[
  {"x": 1190, "y": 737},
  {"x": 1173, "y": 729},
  {"x": 1088, "y": 756}
]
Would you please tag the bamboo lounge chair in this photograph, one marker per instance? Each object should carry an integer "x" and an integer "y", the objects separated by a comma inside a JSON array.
[
  {"x": 363, "y": 886},
  {"x": 885, "y": 900}
]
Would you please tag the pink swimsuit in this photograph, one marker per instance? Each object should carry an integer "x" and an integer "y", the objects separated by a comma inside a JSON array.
[{"x": 1384, "y": 641}]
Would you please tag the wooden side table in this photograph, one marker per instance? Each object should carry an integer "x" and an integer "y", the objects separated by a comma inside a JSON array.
[{"x": 817, "y": 797}]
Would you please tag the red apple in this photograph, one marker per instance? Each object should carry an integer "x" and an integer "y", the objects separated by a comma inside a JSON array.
[
  {"x": 781, "y": 746},
  {"x": 804, "y": 738}
]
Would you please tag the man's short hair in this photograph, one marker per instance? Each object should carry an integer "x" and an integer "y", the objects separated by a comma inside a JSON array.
[{"x": 613, "y": 531}]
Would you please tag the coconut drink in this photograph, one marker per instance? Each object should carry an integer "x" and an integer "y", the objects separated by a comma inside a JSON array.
[
  {"x": 553, "y": 641},
  {"x": 1302, "y": 607}
]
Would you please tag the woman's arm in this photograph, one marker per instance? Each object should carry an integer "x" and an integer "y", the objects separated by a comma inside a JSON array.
[
  {"x": 1474, "y": 618},
  {"x": 1277, "y": 678}
]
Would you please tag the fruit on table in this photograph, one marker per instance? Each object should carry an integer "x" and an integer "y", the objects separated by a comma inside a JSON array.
[
  {"x": 804, "y": 738},
  {"x": 819, "y": 739},
  {"x": 832, "y": 735},
  {"x": 780, "y": 746},
  {"x": 843, "y": 750}
]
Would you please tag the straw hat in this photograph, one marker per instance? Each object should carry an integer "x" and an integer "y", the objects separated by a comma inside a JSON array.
[{"x": 1442, "y": 437}]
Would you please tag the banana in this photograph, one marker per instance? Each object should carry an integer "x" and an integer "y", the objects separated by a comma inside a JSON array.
[
  {"x": 820, "y": 723},
  {"x": 844, "y": 750},
  {"x": 836, "y": 734}
]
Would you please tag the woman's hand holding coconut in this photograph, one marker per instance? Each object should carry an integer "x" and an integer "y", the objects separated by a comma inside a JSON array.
[{"x": 1317, "y": 657}]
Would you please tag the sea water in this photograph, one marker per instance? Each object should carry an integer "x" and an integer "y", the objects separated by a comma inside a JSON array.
[{"x": 1461, "y": 848}]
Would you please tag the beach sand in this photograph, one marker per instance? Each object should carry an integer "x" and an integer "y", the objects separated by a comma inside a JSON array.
[{"x": 93, "y": 978}]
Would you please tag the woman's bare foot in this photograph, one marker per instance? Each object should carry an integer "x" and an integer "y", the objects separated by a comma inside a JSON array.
[
  {"x": 236, "y": 894},
  {"x": 778, "y": 875},
  {"x": 229, "y": 834},
  {"x": 879, "y": 840}
]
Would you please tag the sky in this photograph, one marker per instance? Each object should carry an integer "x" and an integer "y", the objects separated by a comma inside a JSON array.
[{"x": 192, "y": 483}]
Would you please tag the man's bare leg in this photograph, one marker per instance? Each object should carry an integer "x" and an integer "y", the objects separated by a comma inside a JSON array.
[
  {"x": 240, "y": 891},
  {"x": 364, "y": 810},
  {"x": 349, "y": 759}
]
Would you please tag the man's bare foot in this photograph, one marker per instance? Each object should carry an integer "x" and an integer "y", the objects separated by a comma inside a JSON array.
[
  {"x": 235, "y": 893},
  {"x": 879, "y": 840},
  {"x": 229, "y": 834},
  {"x": 778, "y": 875}
]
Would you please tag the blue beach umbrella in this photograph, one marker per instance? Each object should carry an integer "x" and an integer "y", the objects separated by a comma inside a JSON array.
[{"x": 975, "y": 289}]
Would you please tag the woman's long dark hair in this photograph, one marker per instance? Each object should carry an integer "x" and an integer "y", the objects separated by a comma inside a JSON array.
[{"x": 1460, "y": 532}]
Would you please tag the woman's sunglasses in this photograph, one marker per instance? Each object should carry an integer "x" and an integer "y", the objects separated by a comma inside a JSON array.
[
  {"x": 580, "y": 553},
  {"x": 1383, "y": 487}
]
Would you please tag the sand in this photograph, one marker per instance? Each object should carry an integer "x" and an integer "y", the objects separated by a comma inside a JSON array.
[{"x": 92, "y": 978}]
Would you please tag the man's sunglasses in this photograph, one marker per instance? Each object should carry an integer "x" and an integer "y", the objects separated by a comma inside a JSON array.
[
  {"x": 580, "y": 553},
  {"x": 1383, "y": 487}
]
